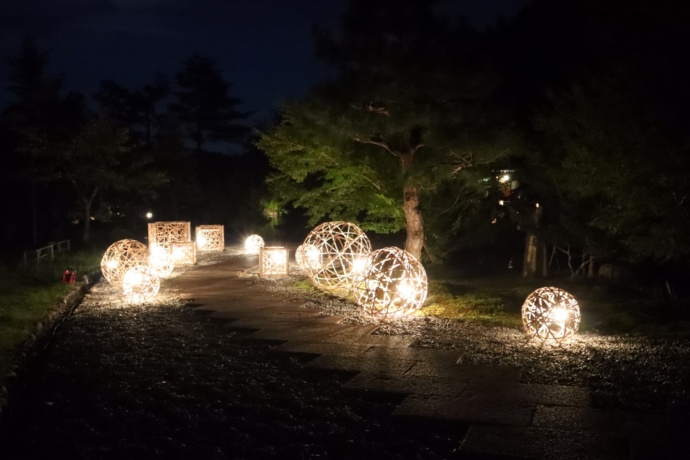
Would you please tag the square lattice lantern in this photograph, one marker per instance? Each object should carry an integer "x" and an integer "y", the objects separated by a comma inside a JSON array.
[
  {"x": 163, "y": 234},
  {"x": 183, "y": 253},
  {"x": 210, "y": 237},
  {"x": 273, "y": 261}
]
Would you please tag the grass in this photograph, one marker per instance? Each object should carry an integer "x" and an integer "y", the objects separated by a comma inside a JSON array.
[{"x": 29, "y": 293}]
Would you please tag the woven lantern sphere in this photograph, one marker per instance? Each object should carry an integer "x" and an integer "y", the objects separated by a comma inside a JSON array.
[
  {"x": 140, "y": 284},
  {"x": 393, "y": 284},
  {"x": 334, "y": 251},
  {"x": 307, "y": 255},
  {"x": 550, "y": 314},
  {"x": 120, "y": 257},
  {"x": 253, "y": 244}
]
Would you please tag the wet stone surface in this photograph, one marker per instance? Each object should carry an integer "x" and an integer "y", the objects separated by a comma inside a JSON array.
[
  {"x": 120, "y": 380},
  {"x": 162, "y": 380}
]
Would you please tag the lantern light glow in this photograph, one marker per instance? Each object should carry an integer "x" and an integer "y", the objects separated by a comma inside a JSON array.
[
  {"x": 393, "y": 284},
  {"x": 120, "y": 257},
  {"x": 253, "y": 244},
  {"x": 332, "y": 251},
  {"x": 551, "y": 315}
]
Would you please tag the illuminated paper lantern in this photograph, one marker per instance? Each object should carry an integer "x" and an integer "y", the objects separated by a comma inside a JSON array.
[
  {"x": 550, "y": 314},
  {"x": 307, "y": 254},
  {"x": 140, "y": 284},
  {"x": 273, "y": 261},
  {"x": 161, "y": 261},
  {"x": 183, "y": 253},
  {"x": 210, "y": 237},
  {"x": 253, "y": 244},
  {"x": 335, "y": 251},
  {"x": 393, "y": 283},
  {"x": 165, "y": 233},
  {"x": 120, "y": 257}
]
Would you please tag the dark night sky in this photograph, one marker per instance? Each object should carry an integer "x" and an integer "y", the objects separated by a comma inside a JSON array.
[{"x": 263, "y": 47}]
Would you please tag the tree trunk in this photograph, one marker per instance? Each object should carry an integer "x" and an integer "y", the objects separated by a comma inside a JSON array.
[
  {"x": 534, "y": 263},
  {"x": 414, "y": 221},
  {"x": 86, "y": 236}
]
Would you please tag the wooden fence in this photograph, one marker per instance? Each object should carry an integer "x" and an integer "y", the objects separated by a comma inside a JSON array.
[{"x": 46, "y": 252}]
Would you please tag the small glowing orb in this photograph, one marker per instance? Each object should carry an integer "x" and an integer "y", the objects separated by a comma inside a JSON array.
[
  {"x": 161, "y": 261},
  {"x": 393, "y": 284},
  {"x": 120, "y": 257},
  {"x": 273, "y": 261},
  {"x": 550, "y": 314},
  {"x": 140, "y": 284},
  {"x": 253, "y": 244},
  {"x": 149, "y": 215},
  {"x": 210, "y": 237},
  {"x": 333, "y": 249}
]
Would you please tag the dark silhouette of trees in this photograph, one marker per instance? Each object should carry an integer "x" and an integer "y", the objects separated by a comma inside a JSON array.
[{"x": 204, "y": 106}]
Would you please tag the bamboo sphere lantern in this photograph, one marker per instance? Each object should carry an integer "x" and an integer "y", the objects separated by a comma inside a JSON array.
[
  {"x": 120, "y": 257},
  {"x": 307, "y": 254},
  {"x": 140, "y": 284},
  {"x": 393, "y": 284},
  {"x": 210, "y": 237},
  {"x": 253, "y": 244},
  {"x": 550, "y": 315},
  {"x": 335, "y": 251}
]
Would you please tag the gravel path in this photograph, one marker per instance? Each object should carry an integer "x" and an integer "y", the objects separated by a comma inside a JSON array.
[{"x": 162, "y": 380}]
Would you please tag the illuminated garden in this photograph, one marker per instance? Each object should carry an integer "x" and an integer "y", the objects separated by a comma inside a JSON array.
[{"x": 456, "y": 240}]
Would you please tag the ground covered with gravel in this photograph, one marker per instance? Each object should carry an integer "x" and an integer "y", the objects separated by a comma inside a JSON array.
[{"x": 118, "y": 380}]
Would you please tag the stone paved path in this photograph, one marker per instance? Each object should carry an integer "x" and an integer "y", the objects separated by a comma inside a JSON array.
[{"x": 507, "y": 419}]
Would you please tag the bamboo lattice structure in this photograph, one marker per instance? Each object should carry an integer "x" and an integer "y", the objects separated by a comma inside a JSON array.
[
  {"x": 340, "y": 247},
  {"x": 392, "y": 284},
  {"x": 210, "y": 237},
  {"x": 120, "y": 257},
  {"x": 164, "y": 234},
  {"x": 274, "y": 261},
  {"x": 550, "y": 315},
  {"x": 183, "y": 253},
  {"x": 253, "y": 244},
  {"x": 140, "y": 284}
]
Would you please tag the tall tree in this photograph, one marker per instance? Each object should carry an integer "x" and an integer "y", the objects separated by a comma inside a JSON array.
[
  {"x": 137, "y": 108},
  {"x": 408, "y": 111},
  {"x": 99, "y": 160},
  {"x": 41, "y": 118},
  {"x": 204, "y": 104}
]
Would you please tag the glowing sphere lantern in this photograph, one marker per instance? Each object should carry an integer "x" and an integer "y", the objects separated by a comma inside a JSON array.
[
  {"x": 392, "y": 284},
  {"x": 253, "y": 244},
  {"x": 140, "y": 284},
  {"x": 333, "y": 253},
  {"x": 120, "y": 257},
  {"x": 550, "y": 314},
  {"x": 307, "y": 255}
]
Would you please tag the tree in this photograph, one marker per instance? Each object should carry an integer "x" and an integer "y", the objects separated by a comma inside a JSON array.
[
  {"x": 99, "y": 160},
  {"x": 136, "y": 108},
  {"x": 204, "y": 104},
  {"x": 40, "y": 119},
  {"x": 408, "y": 112}
]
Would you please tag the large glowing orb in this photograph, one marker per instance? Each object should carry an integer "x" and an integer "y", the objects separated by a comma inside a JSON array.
[
  {"x": 210, "y": 237},
  {"x": 253, "y": 244},
  {"x": 550, "y": 314},
  {"x": 335, "y": 251},
  {"x": 393, "y": 283},
  {"x": 273, "y": 260},
  {"x": 120, "y": 257},
  {"x": 139, "y": 284}
]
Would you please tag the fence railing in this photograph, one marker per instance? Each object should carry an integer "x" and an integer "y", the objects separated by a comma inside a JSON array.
[{"x": 46, "y": 252}]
